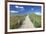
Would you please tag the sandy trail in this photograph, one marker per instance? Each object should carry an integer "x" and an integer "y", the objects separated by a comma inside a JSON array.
[{"x": 27, "y": 23}]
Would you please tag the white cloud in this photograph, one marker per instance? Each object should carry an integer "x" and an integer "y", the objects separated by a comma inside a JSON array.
[
  {"x": 19, "y": 7},
  {"x": 14, "y": 11},
  {"x": 37, "y": 13}
]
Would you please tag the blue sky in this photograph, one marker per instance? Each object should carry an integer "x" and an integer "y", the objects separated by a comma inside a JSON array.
[{"x": 25, "y": 9}]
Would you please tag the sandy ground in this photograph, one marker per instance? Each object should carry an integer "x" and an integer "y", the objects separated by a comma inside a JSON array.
[{"x": 27, "y": 23}]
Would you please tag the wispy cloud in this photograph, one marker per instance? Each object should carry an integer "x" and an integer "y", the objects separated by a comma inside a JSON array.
[
  {"x": 19, "y": 7},
  {"x": 37, "y": 13},
  {"x": 14, "y": 11}
]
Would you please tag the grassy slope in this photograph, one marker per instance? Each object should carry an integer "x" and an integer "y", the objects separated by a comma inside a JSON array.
[{"x": 36, "y": 20}]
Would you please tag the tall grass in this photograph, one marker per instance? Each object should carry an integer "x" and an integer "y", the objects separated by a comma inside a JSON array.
[
  {"x": 36, "y": 20},
  {"x": 16, "y": 21}
]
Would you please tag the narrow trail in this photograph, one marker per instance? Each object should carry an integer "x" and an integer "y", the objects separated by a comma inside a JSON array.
[{"x": 27, "y": 23}]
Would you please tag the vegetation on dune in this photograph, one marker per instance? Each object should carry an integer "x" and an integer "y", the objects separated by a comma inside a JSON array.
[
  {"x": 16, "y": 21},
  {"x": 36, "y": 20}
]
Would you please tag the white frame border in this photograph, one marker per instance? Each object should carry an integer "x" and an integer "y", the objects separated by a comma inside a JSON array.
[{"x": 31, "y": 29}]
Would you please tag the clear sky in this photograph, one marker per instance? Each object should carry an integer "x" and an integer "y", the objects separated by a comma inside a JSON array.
[{"x": 25, "y": 9}]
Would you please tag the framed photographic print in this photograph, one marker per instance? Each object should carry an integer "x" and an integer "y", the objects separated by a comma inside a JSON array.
[{"x": 24, "y": 16}]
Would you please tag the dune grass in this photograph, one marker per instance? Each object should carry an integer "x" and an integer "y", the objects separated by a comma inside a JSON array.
[
  {"x": 16, "y": 21},
  {"x": 36, "y": 20}
]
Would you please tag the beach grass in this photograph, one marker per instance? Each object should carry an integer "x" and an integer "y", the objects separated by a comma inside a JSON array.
[
  {"x": 16, "y": 21},
  {"x": 36, "y": 20}
]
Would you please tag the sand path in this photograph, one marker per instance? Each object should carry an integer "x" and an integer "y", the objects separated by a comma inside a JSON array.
[{"x": 27, "y": 23}]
